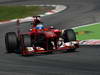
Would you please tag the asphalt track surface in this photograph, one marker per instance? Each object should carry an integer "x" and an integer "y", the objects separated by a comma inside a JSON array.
[{"x": 85, "y": 61}]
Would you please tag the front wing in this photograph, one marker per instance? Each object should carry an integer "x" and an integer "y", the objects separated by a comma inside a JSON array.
[{"x": 65, "y": 47}]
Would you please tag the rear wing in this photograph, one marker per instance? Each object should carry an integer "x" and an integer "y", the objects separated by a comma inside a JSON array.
[
  {"x": 29, "y": 19},
  {"x": 34, "y": 20}
]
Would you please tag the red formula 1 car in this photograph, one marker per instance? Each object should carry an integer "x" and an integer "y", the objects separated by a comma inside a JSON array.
[{"x": 40, "y": 39}]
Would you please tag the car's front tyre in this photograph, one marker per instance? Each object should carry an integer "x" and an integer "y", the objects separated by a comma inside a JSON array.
[
  {"x": 11, "y": 42},
  {"x": 68, "y": 36}
]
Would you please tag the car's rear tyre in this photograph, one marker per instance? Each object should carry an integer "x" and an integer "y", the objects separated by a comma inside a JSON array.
[
  {"x": 69, "y": 35},
  {"x": 11, "y": 42},
  {"x": 27, "y": 40}
]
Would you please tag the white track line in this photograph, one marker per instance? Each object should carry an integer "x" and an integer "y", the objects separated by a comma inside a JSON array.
[{"x": 85, "y": 25}]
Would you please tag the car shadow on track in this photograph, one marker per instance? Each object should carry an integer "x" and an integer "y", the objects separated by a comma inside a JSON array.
[
  {"x": 54, "y": 53},
  {"x": 90, "y": 46}
]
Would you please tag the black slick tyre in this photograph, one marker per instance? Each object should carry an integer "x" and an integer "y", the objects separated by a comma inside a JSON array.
[
  {"x": 11, "y": 42},
  {"x": 69, "y": 35}
]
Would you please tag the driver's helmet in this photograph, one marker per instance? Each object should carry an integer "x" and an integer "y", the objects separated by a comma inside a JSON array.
[{"x": 40, "y": 26}]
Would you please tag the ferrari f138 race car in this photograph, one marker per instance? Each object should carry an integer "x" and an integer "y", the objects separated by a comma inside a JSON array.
[{"x": 40, "y": 39}]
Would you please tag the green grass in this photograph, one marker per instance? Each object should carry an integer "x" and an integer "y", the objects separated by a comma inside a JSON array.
[
  {"x": 94, "y": 32},
  {"x": 13, "y": 12}
]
